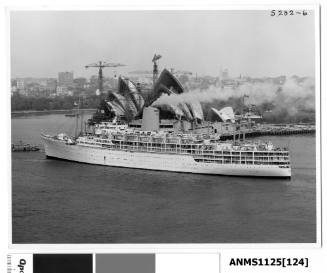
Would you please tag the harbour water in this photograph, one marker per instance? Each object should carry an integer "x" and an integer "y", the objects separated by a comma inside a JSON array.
[{"x": 56, "y": 201}]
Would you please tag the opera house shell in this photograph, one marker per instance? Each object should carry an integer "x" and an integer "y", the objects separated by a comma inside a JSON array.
[
  {"x": 225, "y": 114},
  {"x": 128, "y": 102}
]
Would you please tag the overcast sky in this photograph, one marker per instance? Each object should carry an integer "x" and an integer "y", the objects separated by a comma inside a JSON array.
[{"x": 246, "y": 42}]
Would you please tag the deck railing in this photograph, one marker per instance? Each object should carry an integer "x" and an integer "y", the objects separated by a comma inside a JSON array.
[{"x": 275, "y": 157}]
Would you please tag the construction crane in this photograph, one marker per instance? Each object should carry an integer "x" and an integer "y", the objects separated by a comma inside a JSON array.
[
  {"x": 155, "y": 58},
  {"x": 102, "y": 65}
]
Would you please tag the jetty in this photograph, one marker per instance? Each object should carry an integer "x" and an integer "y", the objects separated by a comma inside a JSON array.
[{"x": 270, "y": 130}]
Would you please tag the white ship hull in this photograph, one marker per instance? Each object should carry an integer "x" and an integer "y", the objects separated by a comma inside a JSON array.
[{"x": 155, "y": 161}]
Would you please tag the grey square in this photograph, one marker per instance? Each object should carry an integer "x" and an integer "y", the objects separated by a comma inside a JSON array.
[{"x": 125, "y": 263}]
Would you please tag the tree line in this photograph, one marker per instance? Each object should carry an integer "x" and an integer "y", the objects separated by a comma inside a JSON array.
[{"x": 24, "y": 103}]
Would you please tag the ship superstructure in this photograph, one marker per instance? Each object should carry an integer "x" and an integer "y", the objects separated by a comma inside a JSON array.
[{"x": 115, "y": 144}]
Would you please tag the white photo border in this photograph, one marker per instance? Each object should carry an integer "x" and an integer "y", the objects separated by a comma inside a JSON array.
[{"x": 180, "y": 248}]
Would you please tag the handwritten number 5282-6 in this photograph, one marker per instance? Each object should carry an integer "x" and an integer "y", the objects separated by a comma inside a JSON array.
[{"x": 287, "y": 12}]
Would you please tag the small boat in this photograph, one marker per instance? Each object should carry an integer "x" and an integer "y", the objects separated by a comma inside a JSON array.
[{"x": 24, "y": 147}]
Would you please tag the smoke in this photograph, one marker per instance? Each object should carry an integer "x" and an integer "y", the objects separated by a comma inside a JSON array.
[{"x": 290, "y": 101}]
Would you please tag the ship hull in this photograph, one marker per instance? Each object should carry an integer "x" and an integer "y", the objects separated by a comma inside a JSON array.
[{"x": 154, "y": 161}]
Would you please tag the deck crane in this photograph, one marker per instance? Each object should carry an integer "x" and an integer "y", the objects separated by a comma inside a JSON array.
[{"x": 102, "y": 65}]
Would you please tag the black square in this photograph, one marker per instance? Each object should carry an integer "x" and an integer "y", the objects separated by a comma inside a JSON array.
[{"x": 62, "y": 263}]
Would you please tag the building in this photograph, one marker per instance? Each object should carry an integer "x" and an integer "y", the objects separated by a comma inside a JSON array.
[
  {"x": 66, "y": 79},
  {"x": 129, "y": 100},
  {"x": 13, "y": 90},
  {"x": 150, "y": 121},
  {"x": 80, "y": 82},
  {"x": 23, "y": 92},
  {"x": 224, "y": 74},
  {"x": 51, "y": 84},
  {"x": 63, "y": 91},
  {"x": 20, "y": 84}
]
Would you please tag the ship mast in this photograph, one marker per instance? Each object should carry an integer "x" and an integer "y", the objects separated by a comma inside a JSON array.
[
  {"x": 77, "y": 115},
  {"x": 82, "y": 116}
]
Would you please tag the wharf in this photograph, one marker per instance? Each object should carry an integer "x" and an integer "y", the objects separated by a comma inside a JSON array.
[{"x": 270, "y": 130}]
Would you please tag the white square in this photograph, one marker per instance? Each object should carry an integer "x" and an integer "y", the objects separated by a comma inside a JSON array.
[{"x": 187, "y": 263}]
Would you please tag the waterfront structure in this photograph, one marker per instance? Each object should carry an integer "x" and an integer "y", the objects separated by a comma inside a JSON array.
[
  {"x": 128, "y": 101},
  {"x": 168, "y": 84}
]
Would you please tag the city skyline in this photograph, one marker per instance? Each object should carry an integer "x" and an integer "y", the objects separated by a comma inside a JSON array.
[{"x": 250, "y": 43}]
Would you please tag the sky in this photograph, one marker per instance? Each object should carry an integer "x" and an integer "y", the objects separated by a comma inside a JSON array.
[{"x": 248, "y": 43}]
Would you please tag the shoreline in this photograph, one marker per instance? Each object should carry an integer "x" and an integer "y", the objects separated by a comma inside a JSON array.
[
  {"x": 47, "y": 112},
  {"x": 65, "y": 111}
]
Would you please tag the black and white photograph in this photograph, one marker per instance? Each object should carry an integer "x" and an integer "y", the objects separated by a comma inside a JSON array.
[{"x": 164, "y": 126}]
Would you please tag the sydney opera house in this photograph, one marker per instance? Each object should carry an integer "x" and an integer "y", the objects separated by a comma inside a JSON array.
[
  {"x": 128, "y": 101},
  {"x": 149, "y": 110}
]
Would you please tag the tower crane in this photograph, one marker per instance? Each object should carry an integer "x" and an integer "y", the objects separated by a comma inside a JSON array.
[
  {"x": 102, "y": 65},
  {"x": 155, "y": 58}
]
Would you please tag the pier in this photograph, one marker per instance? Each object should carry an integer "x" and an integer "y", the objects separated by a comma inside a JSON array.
[{"x": 269, "y": 130}]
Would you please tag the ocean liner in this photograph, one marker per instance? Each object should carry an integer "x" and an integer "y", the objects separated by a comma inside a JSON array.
[{"x": 117, "y": 145}]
